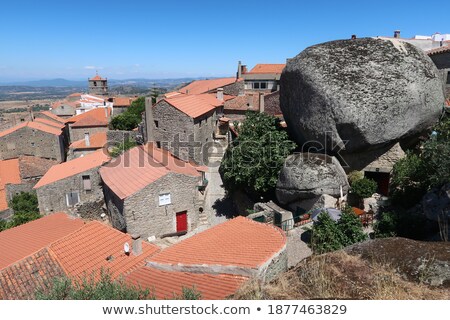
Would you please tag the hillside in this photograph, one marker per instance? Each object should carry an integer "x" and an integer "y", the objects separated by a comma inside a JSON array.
[{"x": 392, "y": 268}]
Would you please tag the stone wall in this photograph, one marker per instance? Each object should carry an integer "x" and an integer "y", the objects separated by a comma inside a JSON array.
[
  {"x": 15, "y": 189},
  {"x": 52, "y": 197},
  {"x": 386, "y": 161},
  {"x": 272, "y": 104},
  {"x": 91, "y": 210},
  {"x": 183, "y": 136},
  {"x": 142, "y": 213},
  {"x": 115, "y": 137},
  {"x": 77, "y": 133},
  {"x": 29, "y": 141},
  {"x": 277, "y": 265},
  {"x": 73, "y": 154}
]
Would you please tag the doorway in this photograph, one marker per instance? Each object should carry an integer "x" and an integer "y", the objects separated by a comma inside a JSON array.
[
  {"x": 182, "y": 221},
  {"x": 382, "y": 180}
]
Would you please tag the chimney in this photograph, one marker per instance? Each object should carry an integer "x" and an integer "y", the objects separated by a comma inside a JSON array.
[
  {"x": 397, "y": 34},
  {"x": 239, "y": 72},
  {"x": 136, "y": 245},
  {"x": 87, "y": 139},
  {"x": 106, "y": 112},
  {"x": 219, "y": 94},
  {"x": 250, "y": 101},
  {"x": 261, "y": 102}
]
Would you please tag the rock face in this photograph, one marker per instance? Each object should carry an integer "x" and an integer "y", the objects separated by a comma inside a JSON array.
[
  {"x": 436, "y": 203},
  {"x": 309, "y": 175},
  {"x": 369, "y": 92}
]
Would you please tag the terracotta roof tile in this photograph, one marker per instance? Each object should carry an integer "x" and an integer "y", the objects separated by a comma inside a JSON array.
[
  {"x": 96, "y": 246},
  {"x": 242, "y": 103},
  {"x": 33, "y": 125},
  {"x": 203, "y": 86},
  {"x": 439, "y": 50},
  {"x": 140, "y": 166},
  {"x": 24, "y": 240},
  {"x": 123, "y": 101},
  {"x": 50, "y": 123},
  {"x": 238, "y": 242},
  {"x": 98, "y": 115},
  {"x": 165, "y": 284},
  {"x": 97, "y": 77},
  {"x": 22, "y": 279},
  {"x": 32, "y": 167},
  {"x": 268, "y": 68},
  {"x": 53, "y": 116},
  {"x": 73, "y": 167},
  {"x": 97, "y": 141},
  {"x": 196, "y": 105},
  {"x": 9, "y": 173}
]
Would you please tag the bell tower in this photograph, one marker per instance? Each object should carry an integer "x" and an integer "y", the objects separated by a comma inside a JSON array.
[{"x": 98, "y": 86}]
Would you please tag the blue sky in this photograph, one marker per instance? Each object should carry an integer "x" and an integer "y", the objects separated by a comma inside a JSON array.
[{"x": 171, "y": 39}]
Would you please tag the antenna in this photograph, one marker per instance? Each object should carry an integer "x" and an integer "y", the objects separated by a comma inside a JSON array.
[{"x": 126, "y": 248}]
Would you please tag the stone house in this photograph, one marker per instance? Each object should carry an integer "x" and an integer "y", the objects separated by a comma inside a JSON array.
[
  {"x": 89, "y": 122},
  {"x": 262, "y": 78},
  {"x": 185, "y": 123},
  {"x": 64, "y": 109},
  {"x": 70, "y": 184},
  {"x": 121, "y": 104},
  {"x": 230, "y": 86},
  {"x": 98, "y": 86},
  {"x": 151, "y": 193},
  {"x": 87, "y": 145},
  {"x": 33, "y": 138},
  {"x": 441, "y": 58}
]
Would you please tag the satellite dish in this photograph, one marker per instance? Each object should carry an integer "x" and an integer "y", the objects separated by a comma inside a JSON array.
[{"x": 126, "y": 248}]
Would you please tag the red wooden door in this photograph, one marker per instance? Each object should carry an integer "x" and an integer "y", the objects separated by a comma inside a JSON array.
[{"x": 181, "y": 221}]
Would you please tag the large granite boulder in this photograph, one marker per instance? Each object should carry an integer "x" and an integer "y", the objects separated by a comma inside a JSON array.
[
  {"x": 368, "y": 92},
  {"x": 310, "y": 175},
  {"x": 436, "y": 203}
]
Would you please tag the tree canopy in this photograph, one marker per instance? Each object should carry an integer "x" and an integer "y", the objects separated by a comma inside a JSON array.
[
  {"x": 254, "y": 159},
  {"x": 25, "y": 207},
  {"x": 131, "y": 118}
]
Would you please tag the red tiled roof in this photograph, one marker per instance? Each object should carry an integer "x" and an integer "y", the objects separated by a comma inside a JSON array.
[
  {"x": 239, "y": 242},
  {"x": 22, "y": 279},
  {"x": 96, "y": 246},
  {"x": 203, "y": 86},
  {"x": 32, "y": 167},
  {"x": 33, "y": 125},
  {"x": 97, "y": 77},
  {"x": 58, "y": 104},
  {"x": 165, "y": 284},
  {"x": 97, "y": 141},
  {"x": 196, "y": 105},
  {"x": 9, "y": 173},
  {"x": 73, "y": 167},
  {"x": 268, "y": 68},
  {"x": 91, "y": 118},
  {"x": 143, "y": 165},
  {"x": 19, "y": 242},
  {"x": 442, "y": 49},
  {"x": 241, "y": 103},
  {"x": 75, "y": 94},
  {"x": 123, "y": 101},
  {"x": 51, "y": 123},
  {"x": 53, "y": 116}
]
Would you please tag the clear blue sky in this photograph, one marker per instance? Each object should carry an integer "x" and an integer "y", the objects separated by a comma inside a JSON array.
[{"x": 166, "y": 39}]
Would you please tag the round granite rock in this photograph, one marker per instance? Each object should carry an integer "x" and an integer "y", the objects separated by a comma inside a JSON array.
[{"x": 359, "y": 94}]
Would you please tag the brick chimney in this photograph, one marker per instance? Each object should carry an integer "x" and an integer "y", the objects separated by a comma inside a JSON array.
[
  {"x": 397, "y": 34},
  {"x": 87, "y": 139},
  {"x": 261, "y": 102},
  {"x": 136, "y": 245},
  {"x": 219, "y": 94}
]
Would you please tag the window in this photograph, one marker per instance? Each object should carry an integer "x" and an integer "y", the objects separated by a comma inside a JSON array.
[
  {"x": 72, "y": 198},
  {"x": 156, "y": 123},
  {"x": 255, "y": 85},
  {"x": 32, "y": 144},
  {"x": 164, "y": 199},
  {"x": 158, "y": 144},
  {"x": 86, "y": 183},
  {"x": 263, "y": 85},
  {"x": 200, "y": 123}
]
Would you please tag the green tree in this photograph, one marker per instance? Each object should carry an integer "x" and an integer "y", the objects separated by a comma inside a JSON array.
[
  {"x": 254, "y": 159},
  {"x": 401, "y": 223},
  {"x": 137, "y": 106},
  {"x": 364, "y": 188},
  {"x": 326, "y": 235},
  {"x": 131, "y": 118},
  {"x": 122, "y": 147},
  {"x": 351, "y": 227},
  {"x": 25, "y": 207}
]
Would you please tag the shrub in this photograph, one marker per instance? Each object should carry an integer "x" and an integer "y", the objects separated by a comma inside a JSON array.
[
  {"x": 401, "y": 224},
  {"x": 351, "y": 227},
  {"x": 122, "y": 147},
  {"x": 354, "y": 176},
  {"x": 364, "y": 188},
  {"x": 25, "y": 207},
  {"x": 131, "y": 118}
]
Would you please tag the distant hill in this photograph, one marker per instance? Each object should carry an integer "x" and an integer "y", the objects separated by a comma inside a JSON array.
[{"x": 48, "y": 83}]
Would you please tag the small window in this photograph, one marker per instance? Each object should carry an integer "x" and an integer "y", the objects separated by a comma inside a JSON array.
[
  {"x": 200, "y": 123},
  {"x": 87, "y": 186},
  {"x": 156, "y": 123},
  {"x": 72, "y": 198},
  {"x": 32, "y": 144},
  {"x": 263, "y": 85},
  {"x": 158, "y": 144},
  {"x": 164, "y": 199},
  {"x": 256, "y": 85}
]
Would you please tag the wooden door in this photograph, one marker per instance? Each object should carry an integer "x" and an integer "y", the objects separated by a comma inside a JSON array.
[{"x": 182, "y": 221}]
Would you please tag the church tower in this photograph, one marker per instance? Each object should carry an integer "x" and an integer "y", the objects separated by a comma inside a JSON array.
[{"x": 98, "y": 86}]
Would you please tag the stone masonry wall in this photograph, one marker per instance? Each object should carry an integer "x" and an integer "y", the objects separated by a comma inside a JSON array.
[
  {"x": 28, "y": 141},
  {"x": 234, "y": 88},
  {"x": 78, "y": 132},
  {"x": 52, "y": 197},
  {"x": 278, "y": 265},
  {"x": 145, "y": 217},
  {"x": 272, "y": 104},
  {"x": 204, "y": 128},
  {"x": 115, "y": 137},
  {"x": 15, "y": 189}
]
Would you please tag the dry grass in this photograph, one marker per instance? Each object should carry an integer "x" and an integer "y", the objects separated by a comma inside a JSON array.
[{"x": 339, "y": 275}]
